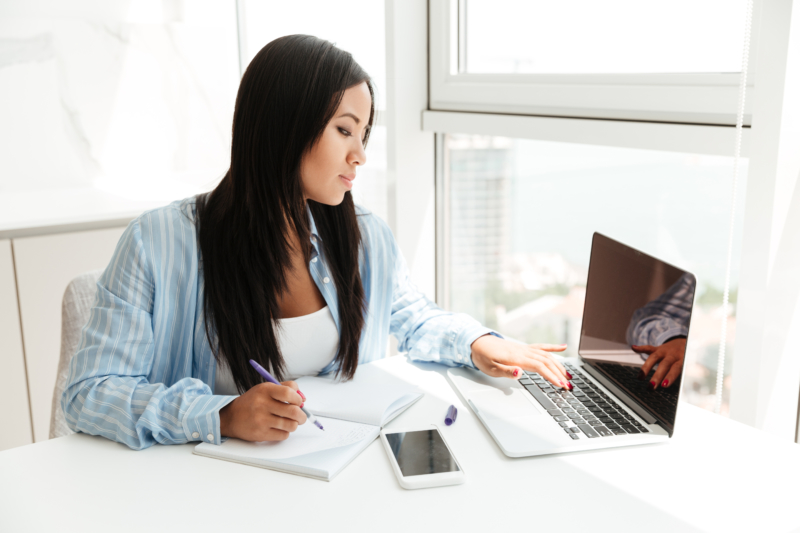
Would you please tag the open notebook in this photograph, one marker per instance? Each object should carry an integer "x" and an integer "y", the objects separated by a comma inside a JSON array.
[{"x": 352, "y": 413}]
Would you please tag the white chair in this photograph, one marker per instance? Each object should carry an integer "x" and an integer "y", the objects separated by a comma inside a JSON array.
[{"x": 75, "y": 307}]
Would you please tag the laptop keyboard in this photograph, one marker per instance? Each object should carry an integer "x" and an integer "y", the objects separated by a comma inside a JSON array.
[
  {"x": 585, "y": 410},
  {"x": 663, "y": 401}
]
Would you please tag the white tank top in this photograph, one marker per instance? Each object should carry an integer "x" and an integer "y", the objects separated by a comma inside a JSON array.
[{"x": 308, "y": 344}]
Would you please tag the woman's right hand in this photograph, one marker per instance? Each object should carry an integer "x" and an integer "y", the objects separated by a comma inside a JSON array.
[{"x": 263, "y": 413}]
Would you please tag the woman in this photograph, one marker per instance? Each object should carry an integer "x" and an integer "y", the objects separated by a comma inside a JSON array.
[{"x": 276, "y": 265}]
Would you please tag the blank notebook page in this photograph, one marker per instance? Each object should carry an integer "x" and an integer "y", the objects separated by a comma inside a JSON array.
[{"x": 371, "y": 397}]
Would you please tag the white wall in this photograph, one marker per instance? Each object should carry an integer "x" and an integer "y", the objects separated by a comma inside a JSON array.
[
  {"x": 767, "y": 364},
  {"x": 131, "y": 97}
]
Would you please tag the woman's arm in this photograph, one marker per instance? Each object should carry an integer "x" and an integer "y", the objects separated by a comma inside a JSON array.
[
  {"x": 424, "y": 330},
  {"x": 428, "y": 333},
  {"x": 108, "y": 391}
]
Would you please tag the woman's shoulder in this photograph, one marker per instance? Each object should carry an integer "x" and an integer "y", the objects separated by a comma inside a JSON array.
[
  {"x": 182, "y": 212},
  {"x": 373, "y": 227},
  {"x": 156, "y": 238},
  {"x": 166, "y": 228},
  {"x": 379, "y": 247},
  {"x": 176, "y": 217}
]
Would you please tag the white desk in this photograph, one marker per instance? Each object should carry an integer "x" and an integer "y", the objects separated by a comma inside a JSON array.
[{"x": 714, "y": 475}]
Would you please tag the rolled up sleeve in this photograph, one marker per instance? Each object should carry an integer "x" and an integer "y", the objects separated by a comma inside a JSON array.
[{"x": 108, "y": 391}]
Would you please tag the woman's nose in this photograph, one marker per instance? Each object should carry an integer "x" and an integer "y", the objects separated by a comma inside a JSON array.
[{"x": 357, "y": 156}]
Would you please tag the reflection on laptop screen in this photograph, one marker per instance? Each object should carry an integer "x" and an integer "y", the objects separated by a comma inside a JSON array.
[{"x": 635, "y": 300}]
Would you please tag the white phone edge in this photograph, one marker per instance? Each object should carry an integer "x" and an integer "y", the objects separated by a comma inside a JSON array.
[{"x": 424, "y": 480}]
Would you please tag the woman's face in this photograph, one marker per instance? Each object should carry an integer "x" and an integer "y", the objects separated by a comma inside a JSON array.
[{"x": 329, "y": 167}]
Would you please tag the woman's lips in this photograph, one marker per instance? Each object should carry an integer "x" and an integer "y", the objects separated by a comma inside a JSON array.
[{"x": 347, "y": 180}]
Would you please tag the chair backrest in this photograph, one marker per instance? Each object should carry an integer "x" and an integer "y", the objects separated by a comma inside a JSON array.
[{"x": 75, "y": 307}]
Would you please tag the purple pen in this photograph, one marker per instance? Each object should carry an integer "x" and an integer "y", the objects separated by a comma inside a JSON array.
[
  {"x": 266, "y": 375},
  {"x": 451, "y": 415}
]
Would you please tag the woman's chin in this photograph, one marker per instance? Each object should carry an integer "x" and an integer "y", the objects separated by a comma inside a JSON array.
[{"x": 332, "y": 200}]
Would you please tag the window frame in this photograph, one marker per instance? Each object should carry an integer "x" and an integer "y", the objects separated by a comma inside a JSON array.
[
  {"x": 686, "y": 138},
  {"x": 688, "y": 98}
]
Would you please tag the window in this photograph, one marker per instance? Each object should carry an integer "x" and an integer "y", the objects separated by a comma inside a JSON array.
[
  {"x": 520, "y": 216},
  {"x": 608, "y": 37},
  {"x": 684, "y": 67}
]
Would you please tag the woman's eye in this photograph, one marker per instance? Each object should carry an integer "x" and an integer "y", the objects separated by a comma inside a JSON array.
[{"x": 344, "y": 132}]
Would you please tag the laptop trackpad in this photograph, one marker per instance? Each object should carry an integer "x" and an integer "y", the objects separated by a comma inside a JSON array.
[
  {"x": 495, "y": 396},
  {"x": 517, "y": 426},
  {"x": 511, "y": 403}
]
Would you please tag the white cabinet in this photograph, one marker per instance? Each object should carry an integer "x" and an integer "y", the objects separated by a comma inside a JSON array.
[
  {"x": 44, "y": 267},
  {"x": 15, "y": 417}
]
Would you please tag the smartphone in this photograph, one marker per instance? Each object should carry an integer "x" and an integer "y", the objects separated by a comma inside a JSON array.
[{"x": 421, "y": 458}]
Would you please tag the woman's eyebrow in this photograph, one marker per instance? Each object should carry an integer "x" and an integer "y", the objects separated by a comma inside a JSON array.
[{"x": 350, "y": 115}]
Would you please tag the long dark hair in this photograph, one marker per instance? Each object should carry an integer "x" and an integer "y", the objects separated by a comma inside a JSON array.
[{"x": 287, "y": 96}]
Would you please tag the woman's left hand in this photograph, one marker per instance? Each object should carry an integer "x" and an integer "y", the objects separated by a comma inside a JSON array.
[{"x": 501, "y": 358}]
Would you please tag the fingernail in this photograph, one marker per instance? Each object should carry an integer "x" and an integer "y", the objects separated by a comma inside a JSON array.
[
  {"x": 641, "y": 376},
  {"x": 303, "y": 396},
  {"x": 665, "y": 384},
  {"x": 516, "y": 371},
  {"x": 569, "y": 376}
]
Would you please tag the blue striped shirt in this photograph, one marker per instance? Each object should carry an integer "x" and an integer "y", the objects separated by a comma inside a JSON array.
[{"x": 144, "y": 372}]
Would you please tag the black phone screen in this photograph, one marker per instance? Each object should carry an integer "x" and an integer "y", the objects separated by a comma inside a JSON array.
[{"x": 421, "y": 452}]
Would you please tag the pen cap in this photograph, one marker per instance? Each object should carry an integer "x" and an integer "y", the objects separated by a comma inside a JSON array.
[{"x": 451, "y": 415}]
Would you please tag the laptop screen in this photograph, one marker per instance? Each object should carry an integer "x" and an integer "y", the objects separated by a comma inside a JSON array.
[{"x": 637, "y": 308}]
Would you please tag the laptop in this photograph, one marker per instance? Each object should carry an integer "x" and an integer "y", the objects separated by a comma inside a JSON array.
[{"x": 632, "y": 299}]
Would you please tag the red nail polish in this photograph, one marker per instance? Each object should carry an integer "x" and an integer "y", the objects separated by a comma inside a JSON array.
[
  {"x": 665, "y": 384},
  {"x": 569, "y": 376},
  {"x": 516, "y": 372},
  {"x": 303, "y": 396}
]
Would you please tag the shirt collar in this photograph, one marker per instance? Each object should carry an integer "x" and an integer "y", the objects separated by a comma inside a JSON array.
[{"x": 312, "y": 226}]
